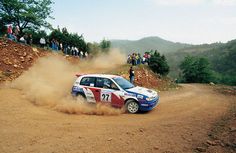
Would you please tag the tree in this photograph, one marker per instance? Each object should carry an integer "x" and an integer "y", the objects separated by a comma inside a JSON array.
[
  {"x": 3, "y": 28},
  {"x": 105, "y": 45},
  {"x": 71, "y": 39},
  {"x": 196, "y": 70},
  {"x": 27, "y": 14},
  {"x": 158, "y": 63}
]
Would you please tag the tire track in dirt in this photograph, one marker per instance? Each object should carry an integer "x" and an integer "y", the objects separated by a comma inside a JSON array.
[{"x": 178, "y": 124}]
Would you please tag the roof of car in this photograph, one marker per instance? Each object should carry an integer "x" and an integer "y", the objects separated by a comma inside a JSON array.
[{"x": 98, "y": 75}]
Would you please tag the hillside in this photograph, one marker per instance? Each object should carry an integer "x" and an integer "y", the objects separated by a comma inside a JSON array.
[
  {"x": 147, "y": 44},
  {"x": 222, "y": 58},
  {"x": 18, "y": 58}
]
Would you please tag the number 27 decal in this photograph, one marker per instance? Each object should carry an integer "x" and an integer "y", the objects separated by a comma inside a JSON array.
[{"x": 106, "y": 97}]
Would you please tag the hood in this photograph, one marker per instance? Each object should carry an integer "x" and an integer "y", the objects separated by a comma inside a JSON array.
[{"x": 143, "y": 91}]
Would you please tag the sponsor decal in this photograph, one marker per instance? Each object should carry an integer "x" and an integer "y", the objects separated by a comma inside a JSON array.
[{"x": 130, "y": 94}]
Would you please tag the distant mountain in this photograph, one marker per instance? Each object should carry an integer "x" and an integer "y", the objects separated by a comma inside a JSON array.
[{"x": 147, "y": 44}]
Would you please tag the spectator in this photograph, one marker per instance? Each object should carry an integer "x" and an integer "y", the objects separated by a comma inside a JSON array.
[
  {"x": 30, "y": 39},
  {"x": 133, "y": 59},
  {"x": 61, "y": 46},
  {"x": 65, "y": 48},
  {"x": 72, "y": 51},
  {"x": 81, "y": 54},
  {"x": 53, "y": 44},
  {"x": 16, "y": 32},
  {"x": 56, "y": 45},
  {"x": 129, "y": 59},
  {"x": 76, "y": 51},
  {"x": 42, "y": 42},
  {"x": 9, "y": 32},
  {"x": 86, "y": 54},
  {"x": 131, "y": 74},
  {"x": 23, "y": 40}
]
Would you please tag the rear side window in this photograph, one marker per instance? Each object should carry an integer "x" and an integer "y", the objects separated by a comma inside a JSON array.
[{"x": 88, "y": 81}]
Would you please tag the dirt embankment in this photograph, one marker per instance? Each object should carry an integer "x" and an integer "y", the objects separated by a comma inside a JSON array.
[
  {"x": 146, "y": 78},
  {"x": 16, "y": 58}
]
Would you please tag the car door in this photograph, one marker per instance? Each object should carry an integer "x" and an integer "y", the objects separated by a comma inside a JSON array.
[
  {"x": 105, "y": 93},
  {"x": 90, "y": 91},
  {"x": 109, "y": 92}
]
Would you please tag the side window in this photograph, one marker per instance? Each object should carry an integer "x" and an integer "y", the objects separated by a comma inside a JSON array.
[
  {"x": 106, "y": 83},
  {"x": 87, "y": 81},
  {"x": 100, "y": 82}
]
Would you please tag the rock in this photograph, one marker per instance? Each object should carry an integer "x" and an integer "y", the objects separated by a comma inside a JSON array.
[
  {"x": 22, "y": 59},
  {"x": 156, "y": 147},
  {"x": 222, "y": 144},
  {"x": 15, "y": 60},
  {"x": 212, "y": 143},
  {"x": 24, "y": 54},
  {"x": 141, "y": 130},
  {"x": 201, "y": 149},
  {"x": 232, "y": 129},
  {"x": 109, "y": 139},
  {"x": 29, "y": 58},
  {"x": 35, "y": 49},
  {"x": 15, "y": 66}
]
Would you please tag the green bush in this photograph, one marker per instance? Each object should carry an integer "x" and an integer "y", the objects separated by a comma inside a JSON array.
[{"x": 158, "y": 64}]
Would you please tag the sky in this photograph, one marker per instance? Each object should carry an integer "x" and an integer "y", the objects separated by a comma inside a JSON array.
[{"x": 186, "y": 21}]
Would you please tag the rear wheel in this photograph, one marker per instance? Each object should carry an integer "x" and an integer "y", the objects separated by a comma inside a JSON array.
[
  {"x": 81, "y": 97},
  {"x": 132, "y": 106}
]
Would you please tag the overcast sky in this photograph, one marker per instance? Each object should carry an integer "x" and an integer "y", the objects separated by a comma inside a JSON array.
[{"x": 189, "y": 21}]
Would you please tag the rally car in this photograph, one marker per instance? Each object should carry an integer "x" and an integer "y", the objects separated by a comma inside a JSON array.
[{"x": 115, "y": 90}]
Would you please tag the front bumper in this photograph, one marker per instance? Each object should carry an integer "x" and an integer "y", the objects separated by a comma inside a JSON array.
[{"x": 148, "y": 105}]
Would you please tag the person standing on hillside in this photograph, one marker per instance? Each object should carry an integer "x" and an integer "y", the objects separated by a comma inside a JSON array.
[
  {"x": 131, "y": 74},
  {"x": 42, "y": 42},
  {"x": 9, "y": 31}
]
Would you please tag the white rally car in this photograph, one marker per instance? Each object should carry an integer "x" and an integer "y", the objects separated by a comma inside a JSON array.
[{"x": 115, "y": 90}]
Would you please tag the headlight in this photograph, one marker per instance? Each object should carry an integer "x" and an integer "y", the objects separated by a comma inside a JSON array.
[
  {"x": 150, "y": 98},
  {"x": 140, "y": 96}
]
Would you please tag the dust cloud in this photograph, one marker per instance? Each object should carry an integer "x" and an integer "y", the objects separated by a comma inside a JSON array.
[{"x": 49, "y": 81}]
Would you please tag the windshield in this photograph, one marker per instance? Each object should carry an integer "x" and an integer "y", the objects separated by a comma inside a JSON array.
[{"x": 123, "y": 83}]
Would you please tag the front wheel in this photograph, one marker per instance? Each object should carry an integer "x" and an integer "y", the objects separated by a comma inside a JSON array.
[{"x": 132, "y": 106}]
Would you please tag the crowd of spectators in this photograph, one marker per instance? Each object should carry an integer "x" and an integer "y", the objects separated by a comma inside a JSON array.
[
  {"x": 54, "y": 45},
  {"x": 13, "y": 34},
  {"x": 137, "y": 59}
]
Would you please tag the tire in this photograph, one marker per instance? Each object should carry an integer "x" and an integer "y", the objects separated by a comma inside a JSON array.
[
  {"x": 81, "y": 97},
  {"x": 132, "y": 106}
]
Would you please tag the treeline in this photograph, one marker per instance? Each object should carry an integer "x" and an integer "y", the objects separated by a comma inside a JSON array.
[{"x": 216, "y": 64}]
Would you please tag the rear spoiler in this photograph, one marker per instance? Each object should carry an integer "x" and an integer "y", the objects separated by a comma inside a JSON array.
[{"x": 78, "y": 75}]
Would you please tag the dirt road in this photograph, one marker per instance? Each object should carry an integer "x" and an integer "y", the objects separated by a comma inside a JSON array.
[{"x": 179, "y": 124}]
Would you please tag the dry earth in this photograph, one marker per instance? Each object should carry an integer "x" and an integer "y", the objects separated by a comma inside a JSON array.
[{"x": 180, "y": 123}]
